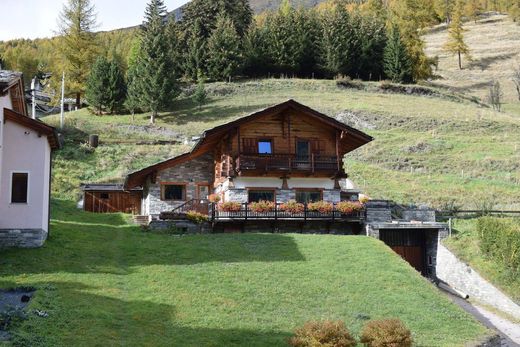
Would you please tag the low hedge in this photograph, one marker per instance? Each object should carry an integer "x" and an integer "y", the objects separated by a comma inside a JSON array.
[{"x": 500, "y": 239}]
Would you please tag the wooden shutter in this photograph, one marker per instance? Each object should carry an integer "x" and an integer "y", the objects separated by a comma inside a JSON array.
[
  {"x": 318, "y": 146},
  {"x": 249, "y": 145}
]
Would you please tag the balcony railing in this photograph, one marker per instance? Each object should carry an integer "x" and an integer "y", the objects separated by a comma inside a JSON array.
[
  {"x": 245, "y": 213},
  {"x": 287, "y": 162}
]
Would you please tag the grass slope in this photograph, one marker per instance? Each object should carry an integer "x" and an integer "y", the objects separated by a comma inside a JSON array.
[
  {"x": 465, "y": 244},
  {"x": 434, "y": 150},
  {"x": 103, "y": 282},
  {"x": 494, "y": 43}
]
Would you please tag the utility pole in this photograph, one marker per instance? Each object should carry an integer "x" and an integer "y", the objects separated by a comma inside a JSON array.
[
  {"x": 62, "y": 115},
  {"x": 33, "y": 94}
]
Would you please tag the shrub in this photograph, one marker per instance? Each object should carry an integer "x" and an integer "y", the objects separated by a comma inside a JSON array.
[
  {"x": 386, "y": 333},
  {"x": 292, "y": 207},
  {"x": 321, "y": 334},
  {"x": 320, "y": 206},
  {"x": 500, "y": 239},
  {"x": 230, "y": 206},
  {"x": 215, "y": 198},
  {"x": 196, "y": 217},
  {"x": 348, "y": 207},
  {"x": 363, "y": 198},
  {"x": 261, "y": 206}
]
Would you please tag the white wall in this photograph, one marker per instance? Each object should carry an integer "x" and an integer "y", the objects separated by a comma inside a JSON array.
[
  {"x": 24, "y": 151},
  {"x": 5, "y": 102},
  {"x": 272, "y": 182}
]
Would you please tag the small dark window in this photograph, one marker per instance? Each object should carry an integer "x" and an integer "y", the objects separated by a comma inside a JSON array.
[
  {"x": 105, "y": 196},
  {"x": 265, "y": 147},
  {"x": 19, "y": 188},
  {"x": 174, "y": 192},
  {"x": 306, "y": 196},
  {"x": 258, "y": 195}
]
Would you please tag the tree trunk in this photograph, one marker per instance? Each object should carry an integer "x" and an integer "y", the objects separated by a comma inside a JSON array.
[
  {"x": 133, "y": 119},
  {"x": 460, "y": 62},
  {"x": 152, "y": 117},
  {"x": 78, "y": 100}
]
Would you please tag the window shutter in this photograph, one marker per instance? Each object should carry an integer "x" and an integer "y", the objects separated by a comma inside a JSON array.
[
  {"x": 249, "y": 145},
  {"x": 318, "y": 146}
]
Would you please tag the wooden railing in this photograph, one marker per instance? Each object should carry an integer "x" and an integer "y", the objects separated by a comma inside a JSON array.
[
  {"x": 245, "y": 213},
  {"x": 287, "y": 162},
  {"x": 198, "y": 205}
]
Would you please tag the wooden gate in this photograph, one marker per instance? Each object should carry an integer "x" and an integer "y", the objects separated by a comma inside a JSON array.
[{"x": 410, "y": 244}]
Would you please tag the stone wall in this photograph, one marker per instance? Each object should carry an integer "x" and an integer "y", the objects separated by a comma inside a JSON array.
[
  {"x": 308, "y": 227},
  {"x": 198, "y": 170},
  {"x": 423, "y": 215},
  {"x": 461, "y": 276},
  {"x": 22, "y": 238}
]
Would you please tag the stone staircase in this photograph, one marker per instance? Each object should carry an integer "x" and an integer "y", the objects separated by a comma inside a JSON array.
[{"x": 141, "y": 220}]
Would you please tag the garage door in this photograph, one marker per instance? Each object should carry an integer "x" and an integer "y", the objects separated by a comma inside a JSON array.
[{"x": 409, "y": 244}]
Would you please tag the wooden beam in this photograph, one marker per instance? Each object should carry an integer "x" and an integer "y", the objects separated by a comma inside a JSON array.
[{"x": 337, "y": 149}]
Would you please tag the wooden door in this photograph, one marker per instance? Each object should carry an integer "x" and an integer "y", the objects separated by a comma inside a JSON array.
[{"x": 409, "y": 244}]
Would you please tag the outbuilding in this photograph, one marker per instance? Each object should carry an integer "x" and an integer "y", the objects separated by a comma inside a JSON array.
[{"x": 111, "y": 198}]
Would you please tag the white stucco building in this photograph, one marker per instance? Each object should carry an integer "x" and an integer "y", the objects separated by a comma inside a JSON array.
[{"x": 25, "y": 168}]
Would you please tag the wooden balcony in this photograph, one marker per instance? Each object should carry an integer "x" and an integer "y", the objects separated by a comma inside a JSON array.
[{"x": 287, "y": 163}]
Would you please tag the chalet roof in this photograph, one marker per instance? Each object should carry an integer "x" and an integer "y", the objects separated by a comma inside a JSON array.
[
  {"x": 104, "y": 187},
  {"x": 34, "y": 124},
  {"x": 8, "y": 78},
  {"x": 211, "y": 137}
]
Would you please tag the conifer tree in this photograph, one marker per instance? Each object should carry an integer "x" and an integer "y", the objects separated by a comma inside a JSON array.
[
  {"x": 195, "y": 57},
  {"x": 97, "y": 84},
  {"x": 223, "y": 50},
  {"x": 373, "y": 42},
  {"x": 116, "y": 91},
  {"x": 256, "y": 48},
  {"x": 133, "y": 95},
  {"x": 200, "y": 96},
  {"x": 76, "y": 23},
  {"x": 472, "y": 9},
  {"x": 156, "y": 70},
  {"x": 397, "y": 65},
  {"x": 456, "y": 44}
]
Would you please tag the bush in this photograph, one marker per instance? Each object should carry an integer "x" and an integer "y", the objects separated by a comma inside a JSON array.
[
  {"x": 348, "y": 207},
  {"x": 292, "y": 207},
  {"x": 215, "y": 198},
  {"x": 230, "y": 206},
  {"x": 196, "y": 217},
  {"x": 321, "y": 334},
  {"x": 500, "y": 239},
  {"x": 320, "y": 206},
  {"x": 261, "y": 206},
  {"x": 386, "y": 333}
]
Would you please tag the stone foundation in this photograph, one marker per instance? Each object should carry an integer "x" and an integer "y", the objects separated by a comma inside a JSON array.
[
  {"x": 301, "y": 227},
  {"x": 22, "y": 238}
]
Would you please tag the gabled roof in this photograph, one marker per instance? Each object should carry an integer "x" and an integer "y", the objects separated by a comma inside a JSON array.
[
  {"x": 36, "y": 125},
  {"x": 212, "y": 136},
  {"x": 104, "y": 187}
]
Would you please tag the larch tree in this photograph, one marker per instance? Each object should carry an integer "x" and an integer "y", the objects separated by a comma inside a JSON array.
[
  {"x": 224, "y": 53},
  {"x": 76, "y": 23},
  {"x": 195, "y": 55},
  {"x": 133, "y": 93},
  {"x": 156, "y": 70},
  {"x": 472, "y": 9},
  {"x": 455, "y": 43}
]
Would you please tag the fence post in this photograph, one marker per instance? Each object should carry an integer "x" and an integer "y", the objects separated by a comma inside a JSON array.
[
  {"x": 275, "y": 211},
  {"x": 333, "y": 210},
  {"x": 245, "y": 218},
  {"x": 305, "y": 212}
]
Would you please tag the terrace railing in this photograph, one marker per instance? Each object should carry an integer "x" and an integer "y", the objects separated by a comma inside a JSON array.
[
  {"x": 246, "y": 213},
  {"x": 287, "y": 162}
]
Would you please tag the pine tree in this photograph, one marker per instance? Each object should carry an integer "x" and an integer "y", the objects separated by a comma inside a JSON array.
[
  {"x": 116, "y": 91},
  {"x": 396, "y": 60},
  {"x": 98, "y": 84},
  {"x": 156, "y": 70},
  {"x": 257, "y": 58},
  {"x": 76, "y": 24},
  {"x": 223, "y": 50},
  {"x": 200, "y": 96},
  {"x": 456, "y": 44},
  {"x": 195, "y": 57},
  {"x": 373, "y": 43}
]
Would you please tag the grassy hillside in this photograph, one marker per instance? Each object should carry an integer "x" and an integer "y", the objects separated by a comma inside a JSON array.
[
  {"x": 495, "y": 48},
  {"x": 437, "y": 150},
  {"x": 143, "y": 289}
]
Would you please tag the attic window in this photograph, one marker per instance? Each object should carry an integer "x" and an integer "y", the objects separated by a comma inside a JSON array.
[{"x": 265, "y": 147}]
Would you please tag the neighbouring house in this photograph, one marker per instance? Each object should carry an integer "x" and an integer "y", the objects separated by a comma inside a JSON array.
[
  {"x": 25, "y": 168},
  {"x": 111, "y": 198}
]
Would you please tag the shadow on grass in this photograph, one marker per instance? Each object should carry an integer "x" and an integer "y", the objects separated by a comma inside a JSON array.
[
  {"x": 82, "y": 242},
  {"x": 78, "y": 317}
]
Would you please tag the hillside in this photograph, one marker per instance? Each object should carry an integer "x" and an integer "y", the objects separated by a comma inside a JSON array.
[
  {"x": 439, "y": 150},
  {"x": 494, "y": 42},
  {"x": 146, "y": 289}
]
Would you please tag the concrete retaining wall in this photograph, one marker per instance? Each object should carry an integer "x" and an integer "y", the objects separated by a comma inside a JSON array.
[{"x": 462, "y": 277}]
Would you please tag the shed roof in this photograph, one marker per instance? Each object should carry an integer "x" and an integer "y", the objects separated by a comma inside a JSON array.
[{"x": 104, "y": 187}]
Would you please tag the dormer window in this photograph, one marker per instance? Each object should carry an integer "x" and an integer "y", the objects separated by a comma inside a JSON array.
[{"x": 265, "y": 146}]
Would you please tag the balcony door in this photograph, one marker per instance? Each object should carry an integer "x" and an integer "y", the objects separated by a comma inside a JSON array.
[{"x": 303, "y": 155}]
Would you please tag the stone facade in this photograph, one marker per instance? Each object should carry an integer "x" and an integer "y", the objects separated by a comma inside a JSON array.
[
  {"x": 423, "y": 215},
  {"x": 22, "y": 238},
  {"x": 191, "y": 173}
]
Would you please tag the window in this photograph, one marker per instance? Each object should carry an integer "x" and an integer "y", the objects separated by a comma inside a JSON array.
[
  {"x": 105, "y": 196},
  {"x": 173, "y": 192},
  {"x": 306, "y": 196},
  {"x": 258, "y": 195},
  {"x": 303, "y": 151},
  {"x": 19, "y": 184},
  {"x": 265, "y": 147}
]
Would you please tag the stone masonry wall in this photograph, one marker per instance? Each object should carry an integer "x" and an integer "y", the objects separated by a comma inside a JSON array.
[
  {"x": 24, "y": 238},
  {"x": 190, "y": 173}
]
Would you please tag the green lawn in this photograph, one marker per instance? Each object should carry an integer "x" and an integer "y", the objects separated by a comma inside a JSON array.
[
  {"x": 465, "y": 244},
  {"x": 105, "y": 283}
]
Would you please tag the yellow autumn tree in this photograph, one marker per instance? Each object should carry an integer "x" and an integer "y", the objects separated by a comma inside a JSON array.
[
  {"x": 455, "y": 44},
  {"x": 472, "y": 9}
]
